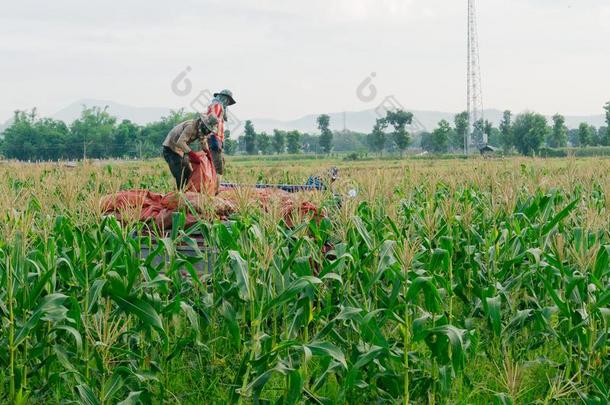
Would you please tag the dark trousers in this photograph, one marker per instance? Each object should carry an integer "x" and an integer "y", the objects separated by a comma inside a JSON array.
[
  {"x": 178, "y": 166},
  {"x": 216, "y": 151}
]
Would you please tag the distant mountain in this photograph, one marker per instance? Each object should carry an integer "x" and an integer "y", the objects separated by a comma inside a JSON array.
[
  {"x": 359, "y": 121},
  {"x": 140, "y": 115}
]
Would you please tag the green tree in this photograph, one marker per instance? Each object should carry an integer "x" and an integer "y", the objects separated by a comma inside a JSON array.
[
  {"x": 326, "y": 135},
  {"x": 249, "y": 138},
  {"x": 399, "y": 119},
  {"x": 461, "y": 128},
  {"x": 606, "y": 135},
  {"x": 51, "y": 136},
  {"x": 495, "y": 137},
  {"x": 153, "y": 134},
  {"x": 584, "y": 134},
  {"x": 19, "y": 137},
  {"x": 573, "y": 137},
  {"x": 94, "y": 129},
  {"x": 558, "y": 138},
  {"x": 230, "y": 146},
  {"x": 426, "y": 141},
  {"x": 478, "y": 130},
  {"x": 293, "y": 142},
  {"x": 350, "y": 141},
  {"x": 594, "y": 139},
  {"x": 126, "y": 139},
  {"x": 487, "y": 130},
  {"x": 263, "y": 143},
  {"x": 438, "y": 140},
  {"x": 529, "y": 131},
  {"x": 279, "y": 140},
  {"x": 506, "y": 131},
  {"x": 377, "y": 138}
]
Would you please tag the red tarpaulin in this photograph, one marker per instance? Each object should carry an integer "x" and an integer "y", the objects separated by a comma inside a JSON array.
[
  {"x": 199, "y": 201},
  {"x": 204, "y": 178}
]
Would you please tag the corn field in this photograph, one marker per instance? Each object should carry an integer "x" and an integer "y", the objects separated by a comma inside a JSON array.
[{"x": 440, "y": 282}]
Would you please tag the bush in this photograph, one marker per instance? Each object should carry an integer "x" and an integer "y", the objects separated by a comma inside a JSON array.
[
  {"x": 553, "y": 152},
  {"x": 590, "y": 151},
  {"x": 352, "y": 157}
]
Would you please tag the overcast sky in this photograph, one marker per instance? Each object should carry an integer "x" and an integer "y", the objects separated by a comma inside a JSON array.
[{"x": 285, "y": 59}]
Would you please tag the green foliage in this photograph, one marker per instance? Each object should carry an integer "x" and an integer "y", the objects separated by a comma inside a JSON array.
[
  {"x": 553, "y": 152},
  {"x": 348, "y": 141},
  {"x": 153, "y": 134},
  {"x": 573, "y": 138},
  {"x": 487, "y": 130},
  {"x": 293, "y": 144},
  {"x": 529, "y": 132},
  {"x": 264, "y": 143},
  {"x": 326, "y": 135},
  {"x": 478, "y": 131},
  {"x": 279, "y": 140},
  {"x": 438, "y": 140},
  {"x": 507, "y": 140},
  {"x": 399, "y": 119},
  {"x": 95, "y": 134},
  {"x": 605, "y": 135},
  {"x": 585, "y": 151},
  {"x": 461, "y": 129},
  {"x": 558, "y": 138},
  {"x": 95, "y": 128},
  {"x": 249, "y": 138},
  {"x": 587, "y": 135},
  {"x": 440, "y": 289},
  {"x": 230, "y": 146},
  {"x": 377, "y": 138}
]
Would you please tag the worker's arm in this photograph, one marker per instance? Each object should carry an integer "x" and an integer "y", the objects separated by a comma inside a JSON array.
[
  {"x": 204, "y": 142},
  {"x": 185, "y": 137}
]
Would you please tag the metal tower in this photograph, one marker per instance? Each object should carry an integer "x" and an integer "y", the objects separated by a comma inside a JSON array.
[{"x": 474, "y": 93}]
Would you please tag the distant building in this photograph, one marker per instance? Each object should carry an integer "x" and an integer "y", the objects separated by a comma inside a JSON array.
[{"x": 487, "y": 150}]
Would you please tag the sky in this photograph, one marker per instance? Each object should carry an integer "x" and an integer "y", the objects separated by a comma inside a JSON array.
[{"x": 284, "y": 59}]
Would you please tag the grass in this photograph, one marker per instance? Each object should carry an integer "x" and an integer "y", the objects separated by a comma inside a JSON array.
[{"x": 449, "y": 281}]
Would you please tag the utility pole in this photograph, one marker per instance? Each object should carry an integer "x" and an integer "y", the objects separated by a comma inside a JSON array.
[{"x": 474, "y": 102}]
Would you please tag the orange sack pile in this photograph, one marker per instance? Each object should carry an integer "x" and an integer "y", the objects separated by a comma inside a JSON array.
[
  {"x": 204, "y": 178},
  {"x": 199, "y": 201}
]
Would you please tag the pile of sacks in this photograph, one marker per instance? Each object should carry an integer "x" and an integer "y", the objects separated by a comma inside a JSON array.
[{"x": 198, "y": 202}]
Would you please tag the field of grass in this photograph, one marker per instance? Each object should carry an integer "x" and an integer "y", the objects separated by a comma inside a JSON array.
[{"x": 449, "y": 282}]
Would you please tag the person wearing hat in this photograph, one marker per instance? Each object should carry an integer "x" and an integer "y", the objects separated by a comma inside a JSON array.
[
  {"x": 176, "y": 150},
  {"x": 218, "y": 109},
  {"x": 321, "y": 182}
]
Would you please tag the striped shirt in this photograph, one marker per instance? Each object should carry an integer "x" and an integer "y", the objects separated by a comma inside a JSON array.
[{"x": 217, "y": 110}]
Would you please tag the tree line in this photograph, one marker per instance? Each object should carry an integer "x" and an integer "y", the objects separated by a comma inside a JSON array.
[
  {"x": 526, "y": 133},
  {"x": 95, "y": 134},
  {"x": 98, "y": 134},
  {"x": 254, "y": 143}
]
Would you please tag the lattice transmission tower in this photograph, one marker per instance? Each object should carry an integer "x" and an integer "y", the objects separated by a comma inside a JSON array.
[{"x": 474, "y": 93}]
